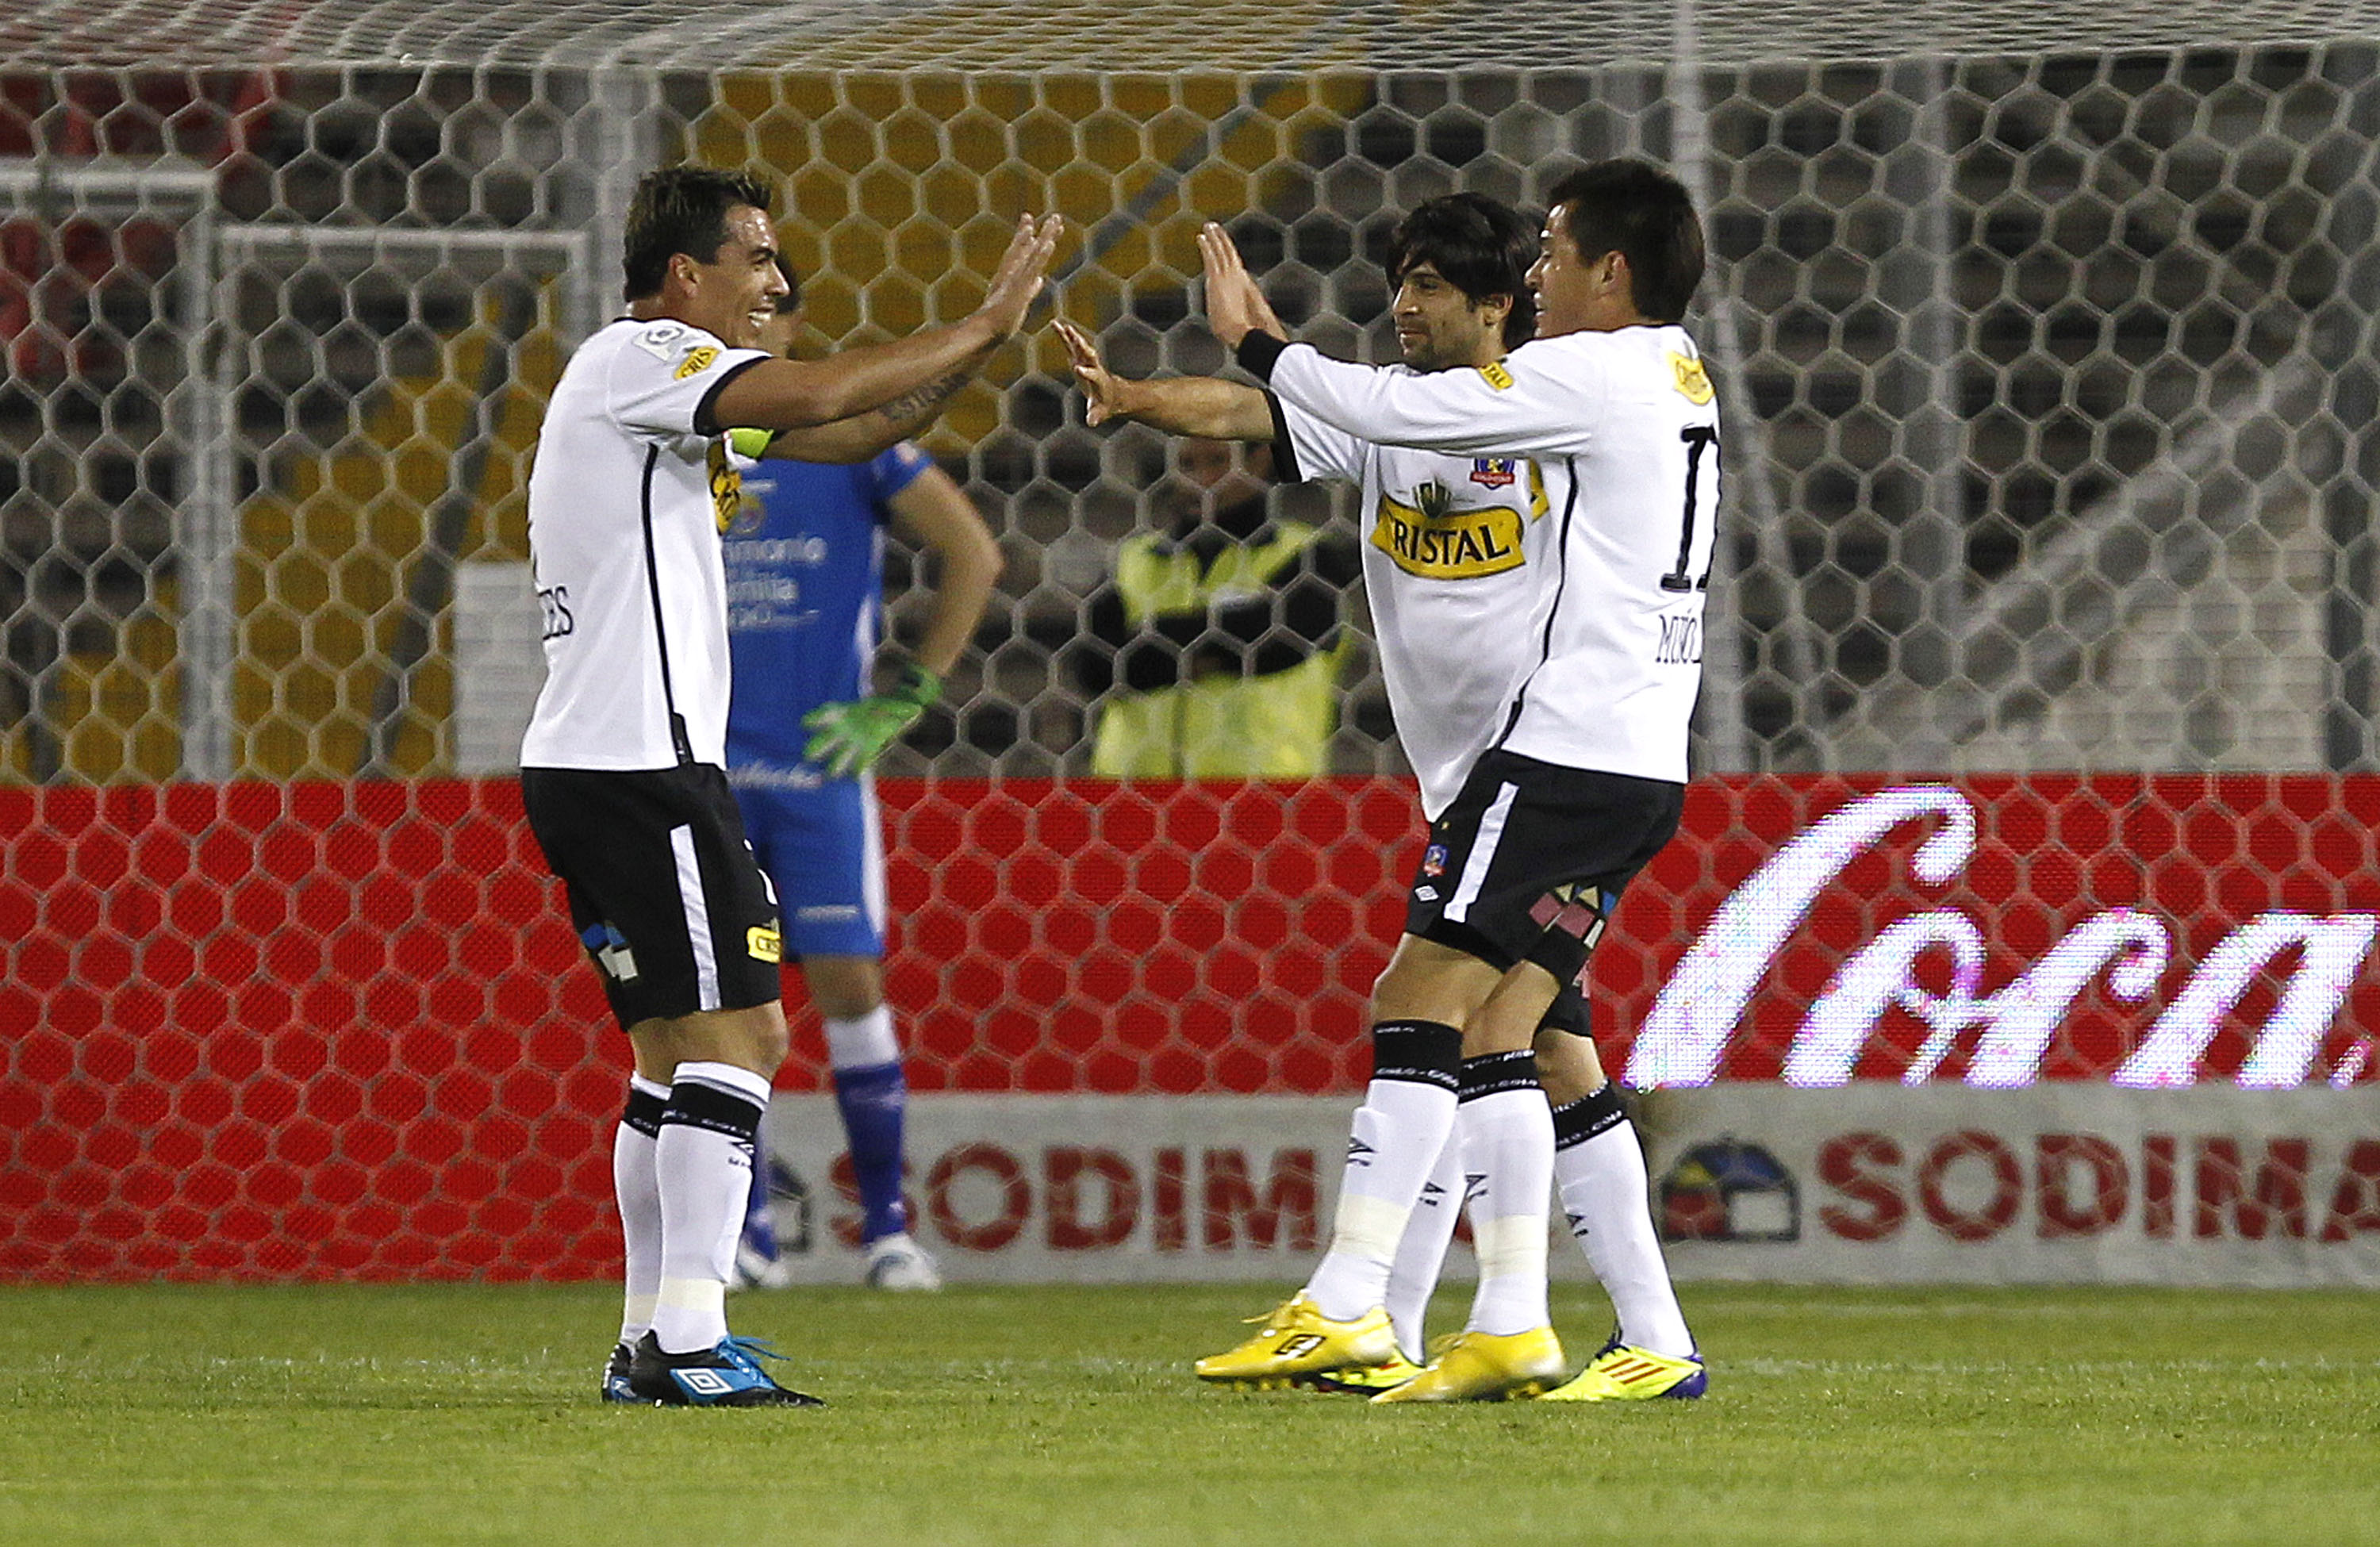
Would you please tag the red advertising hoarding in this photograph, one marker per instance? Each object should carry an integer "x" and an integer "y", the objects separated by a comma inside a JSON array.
[{"x": 344, "y": 1030}]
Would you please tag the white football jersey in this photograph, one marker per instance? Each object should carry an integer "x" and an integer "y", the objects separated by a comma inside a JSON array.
[
  {"x": 1453, "y": 549},
  {"x": 626, "y": 501},
  {"x": 1624, "y": 426}
]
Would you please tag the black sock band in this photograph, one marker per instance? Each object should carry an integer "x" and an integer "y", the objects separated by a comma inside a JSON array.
[
  {"x": 1424, "y": 1051},
  {"x": 1578, "y": 1121},
  {"x": 644, "y": 1111},
  {"x": 696, "y": 1105},
  {"x": 1494, "y": 1072}
]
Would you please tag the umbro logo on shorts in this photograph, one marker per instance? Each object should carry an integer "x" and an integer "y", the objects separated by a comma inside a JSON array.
[{"x": 610, "y": 948}]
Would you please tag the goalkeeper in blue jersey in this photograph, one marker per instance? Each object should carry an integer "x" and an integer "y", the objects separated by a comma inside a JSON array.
[{"x": 805, "y": 588}]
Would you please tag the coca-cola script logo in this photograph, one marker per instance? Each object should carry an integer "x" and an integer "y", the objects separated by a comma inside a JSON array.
[{"x": 1687, "y": 1034}]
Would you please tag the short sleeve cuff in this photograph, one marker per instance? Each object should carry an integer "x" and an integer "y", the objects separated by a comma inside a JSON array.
[{"x": 706, "y": 419}]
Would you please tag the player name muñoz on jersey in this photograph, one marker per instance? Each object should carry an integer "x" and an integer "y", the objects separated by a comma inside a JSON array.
[
  {"x": 805, "y": 598},
  {"x": 631, "y": 488},
  {"x": 1624, "y": 426},
  {"x": 1453, "y": 550}
]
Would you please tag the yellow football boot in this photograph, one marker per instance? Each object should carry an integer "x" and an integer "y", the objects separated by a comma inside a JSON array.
[
  {"x": 1622, "y": 1372},
  {"x": 1487, "y": 1366},
  {"x": 1298, "y": 1340},
  {"x": 1363, "y": 1380}
]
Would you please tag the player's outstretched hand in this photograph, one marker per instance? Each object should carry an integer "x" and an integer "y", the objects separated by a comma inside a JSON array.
[
  {"x": 1102, "y": 388},
  {"x": 1023, "y": 268},
  {"x": 1235, "y": 307},
  {"x": 848, "y": 738}
]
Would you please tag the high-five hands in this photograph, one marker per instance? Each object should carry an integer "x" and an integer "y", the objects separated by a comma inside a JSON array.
[
  {"x": 1235, "y": 308},
  {"x": 1104, "y": 392},
  {"x": 1024, "y": 269}
]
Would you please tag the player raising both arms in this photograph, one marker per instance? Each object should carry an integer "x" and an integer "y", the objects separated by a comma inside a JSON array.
[
  {"x": 1582, "y": 785},
  {"x": 623, "y": 763},
  {"x": 1457, "y": 550}
]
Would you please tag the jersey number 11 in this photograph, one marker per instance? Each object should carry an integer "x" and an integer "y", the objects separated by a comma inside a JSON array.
[{"x": 1699, "y": 438}]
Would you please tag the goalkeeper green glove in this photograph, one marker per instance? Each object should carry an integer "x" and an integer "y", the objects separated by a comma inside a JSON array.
[{"x": 851, "y": 737}]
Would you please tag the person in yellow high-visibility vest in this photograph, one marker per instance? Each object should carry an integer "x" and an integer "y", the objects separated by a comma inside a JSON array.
[{"x": 1220, "y": 642}]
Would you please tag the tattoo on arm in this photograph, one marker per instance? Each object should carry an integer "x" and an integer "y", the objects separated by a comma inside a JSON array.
[{"x": 920, "y": 403}]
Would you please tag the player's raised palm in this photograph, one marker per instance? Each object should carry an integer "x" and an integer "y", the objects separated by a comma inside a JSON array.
[
  {"x": 1235, "y": 307},
  {"x": 1101, "y": 388},
  {"x": 1024, "y": 269}
]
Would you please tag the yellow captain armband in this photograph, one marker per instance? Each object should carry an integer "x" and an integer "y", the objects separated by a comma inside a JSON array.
[{"x": 750, "y": 442}]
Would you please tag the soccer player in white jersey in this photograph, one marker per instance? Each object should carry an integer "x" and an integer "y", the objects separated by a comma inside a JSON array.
[
  {"x": 1580, "y": 785},
  {"x": 623, "y": 768},
  {"x": 1456, "y": 550},
  {"x": 1582, "y": 788}
]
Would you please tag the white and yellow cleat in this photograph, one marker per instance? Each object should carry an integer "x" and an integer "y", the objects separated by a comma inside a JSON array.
[
  {"x": 1487, "y": 1366},
  {"x": 1298, "y": 1340},
  {"x": 1622, "y": 1372}
]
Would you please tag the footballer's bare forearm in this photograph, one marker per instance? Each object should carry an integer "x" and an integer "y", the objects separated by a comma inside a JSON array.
[
  {"x": 802, "y": 395},
  {"x": 936, "y": 513},
  {"x": 862, "y": 437},
  {"x": 798, "y": 394},
  {"x": 962, "y": 595},
  {"x": 1202, "y": 405}
]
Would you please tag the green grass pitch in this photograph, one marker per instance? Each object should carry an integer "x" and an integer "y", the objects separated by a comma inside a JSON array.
[{"x": 467, "y": 1414}]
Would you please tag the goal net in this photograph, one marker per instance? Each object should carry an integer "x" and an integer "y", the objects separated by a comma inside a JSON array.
[{"x": 2045, "y": 341}]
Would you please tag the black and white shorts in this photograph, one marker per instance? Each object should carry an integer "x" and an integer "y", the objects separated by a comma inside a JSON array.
[
  {"x": 1521, "y": 840},
  {"x": 664, "y": 892}
]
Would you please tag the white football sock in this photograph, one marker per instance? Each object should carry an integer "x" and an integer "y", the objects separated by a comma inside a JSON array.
[
  {"x": 1392, "y": 1144},
  {"x": 1421, "y": 1254},
  {"x": 703, "y": 1157},
  {"x": 1604, "y": 1192},
  {"x": 1507, "y": 1134},
  {"x": 636, "y": 1188}
]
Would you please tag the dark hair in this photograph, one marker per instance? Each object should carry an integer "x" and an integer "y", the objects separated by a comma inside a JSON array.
[
  {"x": 792, "y": 300},
  {"x": 682, "y": 209},
  {"x": 1482, "y": 246},
  {"x": 1640, "y": 212}
]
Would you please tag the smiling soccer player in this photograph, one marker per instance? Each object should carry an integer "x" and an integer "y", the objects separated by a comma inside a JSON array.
[
  {"x": 1582, "y": 785},
  {"x": 623, "y": 768},
  {"x": 1470, "y": 571}
]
